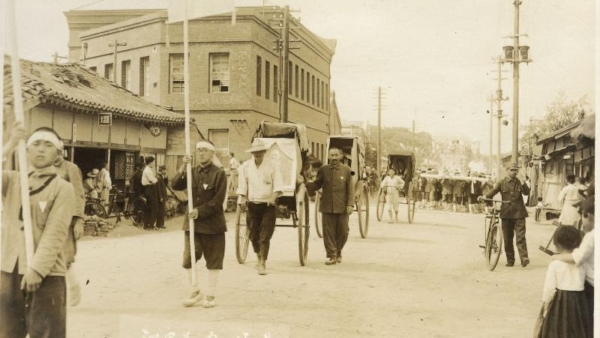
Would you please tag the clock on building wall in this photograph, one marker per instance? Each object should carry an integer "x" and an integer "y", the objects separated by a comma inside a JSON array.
[{"x": 154, "y": 130}]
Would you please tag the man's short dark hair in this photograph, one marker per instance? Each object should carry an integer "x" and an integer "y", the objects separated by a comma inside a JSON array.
[
  {"x": 571, "y": 178},
  {"x": 149, "y": 159}
]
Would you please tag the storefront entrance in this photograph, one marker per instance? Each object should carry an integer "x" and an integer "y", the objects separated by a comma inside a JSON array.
[{"x": 89, "y": 158}]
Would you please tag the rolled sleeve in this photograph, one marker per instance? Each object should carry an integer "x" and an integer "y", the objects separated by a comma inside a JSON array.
[{"x": 242, "y": 188}]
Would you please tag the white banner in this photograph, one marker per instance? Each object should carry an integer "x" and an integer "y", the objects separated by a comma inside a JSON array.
[{"x": 197, "y": 8}]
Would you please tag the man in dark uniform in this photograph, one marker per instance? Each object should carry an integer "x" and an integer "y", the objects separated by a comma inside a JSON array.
[
  {"x": 447, "y": 188},
  {"x": 513, "y": 214},
  {"x": 209, "y": 186},
  {"x": 337, "y": 203},
  {"x": 161, "y": 186}
]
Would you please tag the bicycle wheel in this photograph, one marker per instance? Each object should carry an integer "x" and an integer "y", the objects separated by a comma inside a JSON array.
[
  {"x": 302, "y": 212},
  {"x": 137, "y": 212},
  {"x": 362, "y": 207},
  {"x": 318, "y": 224},
  {"x": 380, "y": 205},
  {"x": 242, "y": 234},
  {"x": 95, "y": 208},
  {"x": 493, "y": 246}
]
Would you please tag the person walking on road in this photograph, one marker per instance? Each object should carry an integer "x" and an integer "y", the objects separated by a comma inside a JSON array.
[
  {"x": 33, "y": 295},
  {"x": 513, "y": 214},
  {"x": 337, "y": 203},
  {"x": 161, "y": 189},
  {"x": 149, "y": 182},
  {"x": 392, "y": 185},
  {"x": 71, "y": 173},
  {"x": 568, "y": 196},
  {"x": 259, "y": 185},
  {"x": 209, "y": 186}
]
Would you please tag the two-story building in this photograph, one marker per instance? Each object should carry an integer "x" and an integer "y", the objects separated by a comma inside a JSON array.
[{"x": 235, "y": 70}]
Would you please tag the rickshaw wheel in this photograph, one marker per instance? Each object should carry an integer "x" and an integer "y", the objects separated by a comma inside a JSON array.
[
  {"x": 318, "y": 224},
  {"x": 380, "y": 204},
  {"x": 411, "y": 203},
  {"x": 242, "y": 234},
  {"x": 302, "y": 212},
  {"x": 362, "y": 207}
]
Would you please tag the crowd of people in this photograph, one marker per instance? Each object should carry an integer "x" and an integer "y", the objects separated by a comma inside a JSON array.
[{"x": 34, "y": 290}]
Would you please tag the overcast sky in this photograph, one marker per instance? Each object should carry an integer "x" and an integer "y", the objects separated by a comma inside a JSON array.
[{"x": 433, "y": 58}]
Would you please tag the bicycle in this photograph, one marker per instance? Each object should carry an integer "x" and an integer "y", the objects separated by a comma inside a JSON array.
[
  {"x": 94, "y": 207},
  {"x": 492, "y": 236}
]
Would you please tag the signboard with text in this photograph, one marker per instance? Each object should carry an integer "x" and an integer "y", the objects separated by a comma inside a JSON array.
[{"x": 105, "y": 119}]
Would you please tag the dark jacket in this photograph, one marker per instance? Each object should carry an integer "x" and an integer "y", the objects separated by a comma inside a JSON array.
[
  {"x": 338, "y": 189},
  {"x": 136, "y": 183},
  {"x": 209, "y": 186},
  {"x": 512, "y": 190},
  {"x": 448, "y": 185},
  {"x": 161, "y": 186}
]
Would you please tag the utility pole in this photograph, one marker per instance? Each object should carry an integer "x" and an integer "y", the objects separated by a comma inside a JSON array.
[
  {"x": 379, "y": 131},
  {"x": 491, "y": 112},
  {"x": 116, "y": 44},
  {"x": 499, "y": 99},
  {"x": 516, "y": 54},
  {"x": 413, "y": 136},
  {"x": 281, "y": 21},
  {"x": 56, "y": 57}
]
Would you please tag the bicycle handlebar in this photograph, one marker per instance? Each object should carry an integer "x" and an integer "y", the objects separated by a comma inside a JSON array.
[{"x": 493, "y": 200}]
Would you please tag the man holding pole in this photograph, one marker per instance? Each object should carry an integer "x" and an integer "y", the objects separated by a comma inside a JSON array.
[
  {"x": 209, "y": 185},
  {"x": 33, "y": 287}
]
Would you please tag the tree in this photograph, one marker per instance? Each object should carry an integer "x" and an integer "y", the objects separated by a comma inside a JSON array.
[
  {"x": 398, "y": 138},
  {"x": 560, "y": 113}
]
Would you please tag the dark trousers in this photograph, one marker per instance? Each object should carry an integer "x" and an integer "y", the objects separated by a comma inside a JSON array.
[
  {"x": 41, "y": 314},
  {"x": 335, "y": 233},
  {"x": 510, "y": 227},
  {"x": 261, "y": 219},
  {"x": 160, "y": 214},
  {"x": 151, "y": 205},
  {"x": 538, "y": 211}
]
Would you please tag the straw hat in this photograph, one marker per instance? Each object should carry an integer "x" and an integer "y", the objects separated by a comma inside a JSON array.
[
  {"x": 93, "y": 173},
  {"x": 257, "y": 145}
]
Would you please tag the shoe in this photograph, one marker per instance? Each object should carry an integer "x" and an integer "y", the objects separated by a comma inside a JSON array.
[
  {"x": 338, "y": 260},
  {"x": 74, "y": 295},
  {"x": 194, "y": 298},
  {"x": 331, "y": 261},
  {"x": 509, "y": 264},
  {"x": 525, "y": 262},
  {"x": 209, "y": 302},
  {"x": 262, "y": 269}
]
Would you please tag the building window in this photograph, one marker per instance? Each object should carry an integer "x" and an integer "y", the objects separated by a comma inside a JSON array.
[
  {"x": 126, "y": 74},
  {"x": 327, "y": 93},
  {"x": 296, "y": 82},
  {"x": 267, "y": 79},
  {"x": 219, "y": 73},
  {"x": 322, "y": 95},
  {"x": 275, "y": 83},
  {"x": 318, "y": 93},
  {"x": 323, "y": 155},
  {"x": 290, "y": 79},
  {"x": 144, "y": 76},
  {"x": 93, "y": 69},
  {"x": 220, "y": 138},
  {"x": 258, "y": 75},
  {"x": 312, "y": 94},
  {"x": 308, "y": 87},
  {"x": 176, "y": 80},
  {"x": 312, "y": 148},
  {"x": 108, "y": 71},
  {"x": 302, "y": 85}
]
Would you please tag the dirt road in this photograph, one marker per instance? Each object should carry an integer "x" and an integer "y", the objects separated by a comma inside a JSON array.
[{"x": 425, "y": 279}]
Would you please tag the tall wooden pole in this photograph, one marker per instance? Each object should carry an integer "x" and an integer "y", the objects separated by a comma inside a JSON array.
[
  {"x": 379, "y": 153},
  {"x": 285, "y": 66},
  {"x": 19, "y": 117},
  {"x": 491, "y": 112},
  {"x": 186, "y": 98},
  {"x": 516, "y": 61}
]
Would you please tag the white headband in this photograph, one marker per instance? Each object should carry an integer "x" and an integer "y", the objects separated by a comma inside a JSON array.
[
  {"x": 44, "y": 135},
  {"x": 205, "y": 145}
]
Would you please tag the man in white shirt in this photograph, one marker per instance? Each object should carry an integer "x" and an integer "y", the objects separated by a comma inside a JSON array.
[
  {"x": 149, "y": 181},
  {"x": 259, "y": 186},
  {"x": 234, "y": 164},
  {"x": 104, "y": 183}
]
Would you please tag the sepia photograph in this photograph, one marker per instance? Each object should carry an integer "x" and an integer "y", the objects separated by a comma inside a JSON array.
[{"x": 298, "y": 168}]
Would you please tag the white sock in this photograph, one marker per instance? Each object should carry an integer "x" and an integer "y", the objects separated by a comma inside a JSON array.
[
  {"x": 71, "y": 277},
  {"x": 213, "y": 280},
  {"x": 189, "y": 276}
]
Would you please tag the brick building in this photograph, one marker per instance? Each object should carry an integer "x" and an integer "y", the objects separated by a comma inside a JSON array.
[{"x": 234, "y": 71}]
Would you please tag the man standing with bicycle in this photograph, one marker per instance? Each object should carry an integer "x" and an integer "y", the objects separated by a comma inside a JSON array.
[{"x": 512, "y": 214}]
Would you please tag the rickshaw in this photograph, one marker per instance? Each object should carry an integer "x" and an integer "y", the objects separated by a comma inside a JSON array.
[
  {"x": 287, "y": 148},
  {"x": 353, "y": 156},
  {"x": 403, "y": 162}
]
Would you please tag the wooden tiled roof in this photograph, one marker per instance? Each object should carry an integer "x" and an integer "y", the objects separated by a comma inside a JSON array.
[{"x": 79, "y": 89}]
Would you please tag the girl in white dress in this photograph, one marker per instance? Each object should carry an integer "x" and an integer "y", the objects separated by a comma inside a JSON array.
[{"x": 392, "y": 185}]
